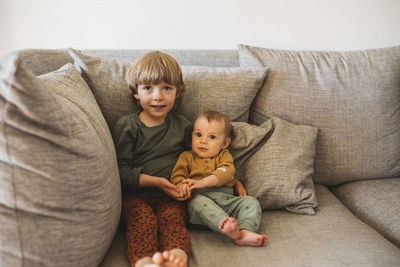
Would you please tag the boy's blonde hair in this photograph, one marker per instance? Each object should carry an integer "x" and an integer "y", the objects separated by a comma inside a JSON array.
[
  {"x": 217, "y": 116},
  {"x": 155, "y": 67}
]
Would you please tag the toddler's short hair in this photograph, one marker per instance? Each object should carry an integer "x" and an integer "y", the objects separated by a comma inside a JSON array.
[
  {"x": 155, "y": 67},
  {"x": 217, "y": 116}
]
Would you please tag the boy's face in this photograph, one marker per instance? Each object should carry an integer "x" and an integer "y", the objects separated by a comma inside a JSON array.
[
  {"x": 208, "y": 138},
  {"x": 156, "y": 100}
]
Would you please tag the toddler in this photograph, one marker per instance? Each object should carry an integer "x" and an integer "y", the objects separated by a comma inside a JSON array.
[{"x": 208, "y": 169}]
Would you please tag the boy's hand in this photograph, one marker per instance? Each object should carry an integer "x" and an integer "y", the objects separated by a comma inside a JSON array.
[
  {"x": 239, "y": 188},
  {"x": 167, "y": 187},
  {"x": 183, "y": 190}
]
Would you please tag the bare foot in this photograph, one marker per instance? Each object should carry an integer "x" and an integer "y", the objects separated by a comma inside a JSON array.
[
  {"x": 230, "y": 227},
  {"x": 248, "y": 238},
  {"x": 172, "y": 258}
]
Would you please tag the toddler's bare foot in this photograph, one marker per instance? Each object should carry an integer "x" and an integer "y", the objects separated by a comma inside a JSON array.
[
  {"x": 172, "y": 258},
  {"x": 248, "y": 238},
  {"x": 230, "y": 227}
]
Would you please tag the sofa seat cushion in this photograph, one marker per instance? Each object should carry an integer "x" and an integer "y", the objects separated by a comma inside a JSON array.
[
  {"x": 333, "y": 237},
  {"x": 60, "y": 193},
  {"x": 376, "y": 202},
  {"x": 353, "y": 97}
]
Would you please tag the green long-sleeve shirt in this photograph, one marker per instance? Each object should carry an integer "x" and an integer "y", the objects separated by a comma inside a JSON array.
[{"x": 150, "y": 150}]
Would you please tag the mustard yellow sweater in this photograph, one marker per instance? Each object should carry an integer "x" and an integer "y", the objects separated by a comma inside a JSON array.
[{"x": 189, "y": 165}]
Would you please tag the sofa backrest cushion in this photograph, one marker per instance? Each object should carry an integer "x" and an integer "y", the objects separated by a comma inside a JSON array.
[
  {"x": 353, "y": 98},
  {"x": 60, "y": 195},
  {"x": 275, "y": 162},
  {"x": 185, "y": 57},
  {"x": 42, "y": 61},
  {"x": 229, "y": 90}
]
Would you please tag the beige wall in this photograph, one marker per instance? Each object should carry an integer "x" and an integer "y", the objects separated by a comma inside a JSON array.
[{"x": 192, "y": 24}]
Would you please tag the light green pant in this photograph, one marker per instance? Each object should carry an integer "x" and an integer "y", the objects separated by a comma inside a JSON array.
[{"x": 210, "y": 205}]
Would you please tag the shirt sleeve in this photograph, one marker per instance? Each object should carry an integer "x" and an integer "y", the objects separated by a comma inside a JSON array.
[
  {"x": 181, "y": 169},
  {"x": 124, "y": 140},
  {"x": 225, "y": 170}
]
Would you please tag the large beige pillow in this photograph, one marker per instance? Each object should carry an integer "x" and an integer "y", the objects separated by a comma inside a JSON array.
[
  {"x": 227, "y": 90},
  {"x": 60, "y": 194},
  {"x": 275, "y": 162},
  {"x": 352, "y": 97}
]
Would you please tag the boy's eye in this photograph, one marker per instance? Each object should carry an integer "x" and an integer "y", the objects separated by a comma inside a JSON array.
[
  {"x": 167, "y": 88},
  {"x": 147, "y": 88}
]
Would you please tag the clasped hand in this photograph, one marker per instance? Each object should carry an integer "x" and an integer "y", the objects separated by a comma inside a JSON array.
[{"x": 185, "y": 187}]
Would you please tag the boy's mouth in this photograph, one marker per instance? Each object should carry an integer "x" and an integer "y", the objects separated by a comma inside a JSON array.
[{"x": 158, "y": 106}]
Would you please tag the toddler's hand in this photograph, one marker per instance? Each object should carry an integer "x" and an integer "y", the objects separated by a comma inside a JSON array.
[
  {"x": 239, "y": 188},
  {"x": 183, "y": 190},
  {"x": 193, "y": 184}
]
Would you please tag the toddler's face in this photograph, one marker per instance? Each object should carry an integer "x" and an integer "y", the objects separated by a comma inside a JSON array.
[
  {"x": 156, "y": 99},
  {"x": 208, "y": 138}
]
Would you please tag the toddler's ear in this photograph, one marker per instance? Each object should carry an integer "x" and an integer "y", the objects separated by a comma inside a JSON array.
[{"x": 227, "y": 142}]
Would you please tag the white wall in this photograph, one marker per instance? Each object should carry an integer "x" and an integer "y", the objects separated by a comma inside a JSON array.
[{"x": 192, "y": 24}]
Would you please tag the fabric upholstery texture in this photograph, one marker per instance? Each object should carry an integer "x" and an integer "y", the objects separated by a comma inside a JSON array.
[
  {"x": 376, "y": 202},
  {"x": 187, "y": 57},
  {"x": 41, "y": 61},
  {"x": 333, "y": 237},
  {"x": 60, "y": 195},
  {"x": 353, "y": 97},
  {"x": 275, "y": 163},
  {"x": 206, "y": 88}
]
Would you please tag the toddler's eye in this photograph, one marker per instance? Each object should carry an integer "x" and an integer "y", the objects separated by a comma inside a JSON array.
[
  {"x": 212, "y": 137},
  {"x": 198, "y": 134}
]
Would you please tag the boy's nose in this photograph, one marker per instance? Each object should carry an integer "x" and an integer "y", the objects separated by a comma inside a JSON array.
[{"x": 157, "y": 94}]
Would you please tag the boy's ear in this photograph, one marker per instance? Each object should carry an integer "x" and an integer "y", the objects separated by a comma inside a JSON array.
[
  {"x": 227, "y": 142},
  {"x": 136, "y": 96}
]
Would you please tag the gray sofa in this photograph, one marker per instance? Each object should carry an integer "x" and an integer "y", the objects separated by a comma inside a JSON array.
[{"x": 316, "y": 140}]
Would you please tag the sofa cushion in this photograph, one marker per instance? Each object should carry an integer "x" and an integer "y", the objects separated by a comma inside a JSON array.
[
  {"x": 376, "y": 202},
  {"x": 333, "y": 237},
  {"x": 60, "y": 195},
  {"x": 352, "y": 97},
  {"x": 42, "y": 61},
  {"x": 185, "y": 57},
  {"x": 275, "y": 163},
  {"x": 206, "y": 88}
]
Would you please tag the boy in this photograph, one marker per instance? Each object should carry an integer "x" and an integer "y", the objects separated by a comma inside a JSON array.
[
  {"x": 148, "y": 143},
  {"x": 209, "y": 168}
]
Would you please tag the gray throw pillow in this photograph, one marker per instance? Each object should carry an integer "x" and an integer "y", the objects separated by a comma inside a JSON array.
[
  {"x": 227, "y": 90},
  {"x": 275, "y": 163},
  {"x": 60, "y": 195},
  {"x": 352, "y": 97}
]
